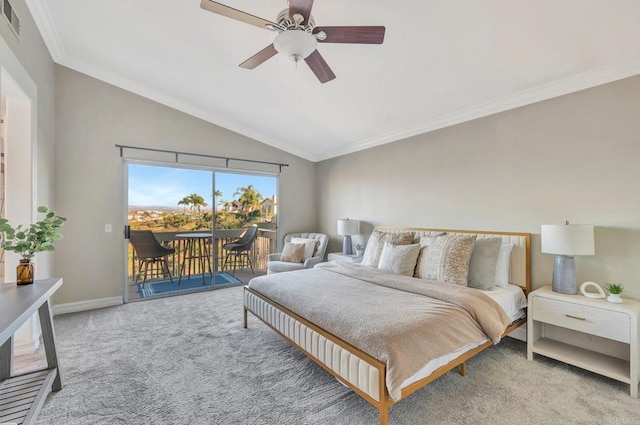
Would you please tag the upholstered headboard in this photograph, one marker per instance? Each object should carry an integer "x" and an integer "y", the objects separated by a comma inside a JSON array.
[{"x": 520, "y": 266}]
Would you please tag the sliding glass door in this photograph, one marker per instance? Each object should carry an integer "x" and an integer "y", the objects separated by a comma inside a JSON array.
[{"x": 179, "y": 220}]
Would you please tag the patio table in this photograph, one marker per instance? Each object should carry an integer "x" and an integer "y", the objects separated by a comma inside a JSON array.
[{"x": 197, "y": 248}]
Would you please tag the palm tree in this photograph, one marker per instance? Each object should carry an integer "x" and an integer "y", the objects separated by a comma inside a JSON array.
[
  {"x": 186, "y": 201},
  {"x": 249, "y": 199},
  {"x": 197, "y": 202}
]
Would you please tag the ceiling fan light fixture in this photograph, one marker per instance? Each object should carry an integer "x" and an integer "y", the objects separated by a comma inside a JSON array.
[{"x": 295, "y": 44}]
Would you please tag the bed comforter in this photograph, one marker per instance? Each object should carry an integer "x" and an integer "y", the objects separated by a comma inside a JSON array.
[{"x": 402, "y": 321}]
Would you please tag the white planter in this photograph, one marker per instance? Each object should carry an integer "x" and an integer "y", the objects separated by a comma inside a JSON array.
[
  {"x": 359, "y": 252},
  {"x": 614, "y": 298}
]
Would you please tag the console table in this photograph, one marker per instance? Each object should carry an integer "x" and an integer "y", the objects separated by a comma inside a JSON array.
[{"x": 21, "y": 397}]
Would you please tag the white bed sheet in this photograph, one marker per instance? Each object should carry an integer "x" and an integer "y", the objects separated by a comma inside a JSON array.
[{"x": 511, "y": 299}]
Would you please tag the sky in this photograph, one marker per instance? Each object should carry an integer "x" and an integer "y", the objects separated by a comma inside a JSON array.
[{"x": 165, "y": 186}]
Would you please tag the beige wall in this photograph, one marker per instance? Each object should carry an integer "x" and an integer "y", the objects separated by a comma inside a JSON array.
[
  {"x": 571, "y": 158},
  {"x": 34, "y": 59},
  {"x": 92, "y": 117}
]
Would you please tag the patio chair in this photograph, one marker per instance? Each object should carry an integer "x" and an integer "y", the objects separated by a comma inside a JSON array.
[
  {"x": 275, "y": 265},
  {"x": 149, "y": 251},
  {"x": 240, "y": 248}
]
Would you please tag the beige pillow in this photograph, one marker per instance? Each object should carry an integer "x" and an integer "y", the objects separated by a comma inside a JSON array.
[
  {"x": 483, "y": 263},
  {"x": 399, "y": 259},
  {"x": 310, "y": 246},
  {"x": 376, "y": 242},
  {"x": 292, "y": 252},
  {"x": 446, "y": 259}
]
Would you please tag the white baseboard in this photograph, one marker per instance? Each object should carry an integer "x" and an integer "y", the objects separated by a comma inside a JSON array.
[{"x": 86, "y": 305}]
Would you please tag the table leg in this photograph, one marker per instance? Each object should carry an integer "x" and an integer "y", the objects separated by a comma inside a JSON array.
[
  {"x": 48, "y": 335},
  {"x": 201, "y": 253},
  {"x": 6, "y": 356},
  {"x": 184, "y": 259}
]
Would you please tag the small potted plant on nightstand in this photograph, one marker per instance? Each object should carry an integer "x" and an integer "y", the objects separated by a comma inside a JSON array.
[
  {"x": 614, "y": 289},
  {"x": 359, "y": 249}
]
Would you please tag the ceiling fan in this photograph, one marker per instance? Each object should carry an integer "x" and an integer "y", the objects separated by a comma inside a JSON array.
[{"x": 298, "y": 35}]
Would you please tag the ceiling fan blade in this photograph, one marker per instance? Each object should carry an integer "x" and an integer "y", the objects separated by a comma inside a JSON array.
[
  {"x": 260, "y": 57},
  {"x": 303, "y": 7},
  {"x": 236, "y": 14},
  {"x": 319, "y": 67},
  {"x": 357, "y": 35}
]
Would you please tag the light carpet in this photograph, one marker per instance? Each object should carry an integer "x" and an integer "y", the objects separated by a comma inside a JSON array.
[{"x": 188, "y": 360}]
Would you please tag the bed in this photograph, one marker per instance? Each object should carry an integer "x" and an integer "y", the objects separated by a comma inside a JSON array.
[{"x": 361, "y": 319}]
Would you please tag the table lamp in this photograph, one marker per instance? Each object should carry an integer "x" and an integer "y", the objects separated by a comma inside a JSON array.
[
  {"x": 347, "y": 228},
  {"x": 566, "y": 240}
]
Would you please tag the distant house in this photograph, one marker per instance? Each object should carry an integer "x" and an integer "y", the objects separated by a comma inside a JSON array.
[
  {"x": 232, "y": 207},
  {"x": 269, "y": 207}
]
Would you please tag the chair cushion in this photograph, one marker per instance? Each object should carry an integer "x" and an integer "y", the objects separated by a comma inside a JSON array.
[
  {"x": 282, "y": 266},
  {"x": 292, "y": 252},
  {"x": 309, "y": 246}
]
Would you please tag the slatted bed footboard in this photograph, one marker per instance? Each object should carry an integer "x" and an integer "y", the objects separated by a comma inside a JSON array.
[{"x": 355, "y": 368}]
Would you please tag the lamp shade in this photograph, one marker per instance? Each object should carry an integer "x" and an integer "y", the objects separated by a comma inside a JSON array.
[
  {"x": 295, "y": 44},
  {"x": 568, "y": 239},
  {"x": 348, "y": 227}
]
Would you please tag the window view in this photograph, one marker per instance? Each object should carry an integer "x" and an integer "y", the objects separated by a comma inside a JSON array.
[{"x": 172, "y": 215}]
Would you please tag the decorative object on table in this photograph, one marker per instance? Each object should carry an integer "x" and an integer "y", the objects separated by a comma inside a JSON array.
[
  {"x": 30, "y": 240},
  {"x": 590, "y": 294},
  {"x": 347, "y": 228},
  {"x": 359, "y": 249},
  {"x": 614, "y": 289},
  {"x": 566, "y": 241}
]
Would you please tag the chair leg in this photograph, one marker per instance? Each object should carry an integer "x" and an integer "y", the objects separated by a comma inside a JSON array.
[
  {"x": 146, "y": 267},
  {"x": 249, "y": 261},
  {"x": 165, "y": 269}
]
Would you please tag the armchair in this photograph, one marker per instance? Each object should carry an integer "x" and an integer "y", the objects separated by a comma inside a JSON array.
[{"x": 274, "y": 265}]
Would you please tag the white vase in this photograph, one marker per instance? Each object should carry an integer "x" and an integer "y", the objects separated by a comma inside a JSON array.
[
  {"x": 359, "y": 252},
  {"x": 614, "y": 298}
]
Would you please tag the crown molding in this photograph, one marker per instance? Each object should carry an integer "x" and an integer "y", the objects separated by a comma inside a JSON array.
[
  {"x": 595, "y": 77},
  {"x": 44, "y": 21}
]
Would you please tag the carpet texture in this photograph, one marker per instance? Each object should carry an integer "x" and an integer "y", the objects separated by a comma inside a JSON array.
[
  {"x": 187, "y": 284},
  {"x": 187, "y": 360}
]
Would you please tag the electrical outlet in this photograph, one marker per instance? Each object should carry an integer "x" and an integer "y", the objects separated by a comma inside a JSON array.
[{"x": 107, "y": 228}]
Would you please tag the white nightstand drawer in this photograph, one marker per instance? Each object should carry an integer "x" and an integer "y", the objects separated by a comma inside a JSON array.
[{"x": 592, "y": 320}]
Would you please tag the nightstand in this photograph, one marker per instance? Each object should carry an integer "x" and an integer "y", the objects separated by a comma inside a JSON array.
[
  {"x": 338, "y": 256},
  {"x": 589, "y": 333}
]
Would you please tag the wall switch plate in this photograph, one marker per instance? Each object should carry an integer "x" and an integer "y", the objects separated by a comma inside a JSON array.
[{"x": 107, "y": 228}]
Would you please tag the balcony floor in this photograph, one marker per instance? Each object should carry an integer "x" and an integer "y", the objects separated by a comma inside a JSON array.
[{"x": 244, "y": 275}]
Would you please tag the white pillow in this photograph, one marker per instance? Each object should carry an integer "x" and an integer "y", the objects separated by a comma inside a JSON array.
[
  {"x": 502, "y": 266},
  {"x": 376, "y": 242},
  {"x": 309, "y": 246},
  {"x": 399, "y": 259}
]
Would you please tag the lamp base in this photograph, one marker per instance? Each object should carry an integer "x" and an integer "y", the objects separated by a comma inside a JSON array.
[
  {"x": 346, "y": 245},
  {"x": 564, "y": 275}
]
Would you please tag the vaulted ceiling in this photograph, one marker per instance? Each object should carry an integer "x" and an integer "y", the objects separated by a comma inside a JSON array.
[{"x": 442, "y": 62}]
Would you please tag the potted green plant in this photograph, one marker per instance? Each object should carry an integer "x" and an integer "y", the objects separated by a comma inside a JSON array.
[
  {"x": 614, "y": 289},
  {"x": 30, "y": 240},
  {"x": 359, "y": 249}
]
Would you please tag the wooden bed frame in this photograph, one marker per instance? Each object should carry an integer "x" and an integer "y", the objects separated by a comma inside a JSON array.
[{"x": 356, "y": 369}]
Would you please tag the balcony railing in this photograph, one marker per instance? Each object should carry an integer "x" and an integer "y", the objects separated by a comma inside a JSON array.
[{"x": 264, "y": 244}]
